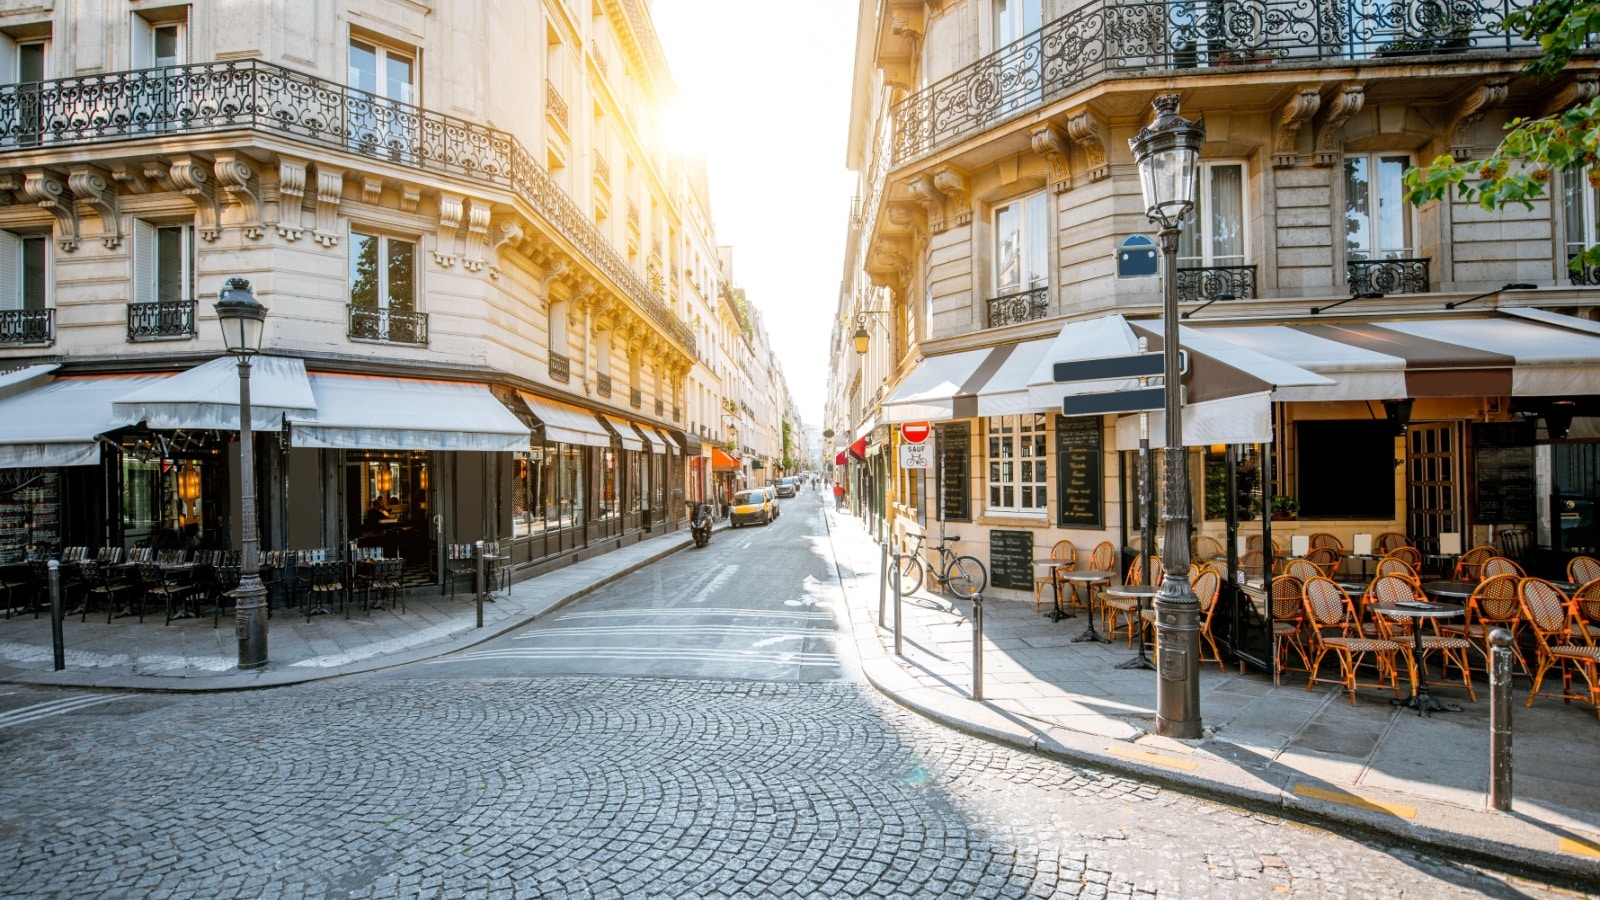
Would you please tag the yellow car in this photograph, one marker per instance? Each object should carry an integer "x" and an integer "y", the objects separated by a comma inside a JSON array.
[{"x": 750, "y": 507}]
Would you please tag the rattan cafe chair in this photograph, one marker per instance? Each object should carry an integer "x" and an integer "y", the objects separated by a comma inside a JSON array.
[
  {"x": 1548, "y": 617},
  {"x": 1469, "y": 567},
  {"x": 1500, "y": 565},
  {"x": 1493, "y": 604},
  {"x": 1333, "y": 627},
  {"x": 1288, "y": 624},
  {"x": 1392, "y": 588},
  {"x": 1065, "y": 555},
  {"x": 1581, "y": 569}
]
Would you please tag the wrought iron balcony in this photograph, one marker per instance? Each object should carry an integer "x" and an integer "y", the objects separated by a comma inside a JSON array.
[
  {"x": 1020, "y": 307},
  {"x": 1211, "y": 283},
  {"x": 560, "y": 368},
  {"x": 281, "y": 103},
  {"x": 1134, "y": 38},
  {"x": 635, "y": 398},
  {"x": 554, "y": 106},
  {"x": 161, "y": 321},
  {"x": 661, "y": 408},
  {"x": 1583, "y": 276},
  {"x": 373, "y": 324},
  {"x": 21, "y": 327},
  {"x": 602, "y": 385},
  {"x": 1387, "y": 276},
  {"x": 677, "y": 414}
]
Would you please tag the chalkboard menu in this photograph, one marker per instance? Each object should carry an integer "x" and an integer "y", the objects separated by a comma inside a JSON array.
[
  {"x": 1079, "y": 485},
  {"x": 1011, "y": 559},
  {"x": 955, "y": 449},
  {"x": 1503, "y": 462}
]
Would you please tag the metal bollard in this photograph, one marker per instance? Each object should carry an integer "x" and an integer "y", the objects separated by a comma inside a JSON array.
[
  {"x": 899, "y": 619},
  {"x": 977, "y": 646},
  {"x": 1500, "y": 720},
  {"x": 477, "y": 556},
  {"x": 883, "y": 581},
  {"x": 57, "y": 639}
]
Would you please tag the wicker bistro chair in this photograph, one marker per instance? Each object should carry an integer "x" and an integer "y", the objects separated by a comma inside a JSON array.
[
  {"x": 1549, "y": 618},
  {"x": 1254, "y": 564},
  {"x": 1493, "y": 604},
  {"x": 1066, "y": 556},
  {"x": 1125, "y": 609},
  {"x": 1333, "y": 627},
  {"x": 1586, "y": 610},
  {"x": 1206, "y": 548},
  {"x": 1103, "y": 557},
  {"x": 1325, "y": 558},
  {"x": 1288, "y": 623},
  {"x": 1322, "y": 540},
  {"x": 1394, "y": 565},
  {"x": 1254, "y": 542},
  {"x": 1389, "y": 541},
  {"x": 1453, "y": 649},
  {"x": 1469, "y": 567},
  {"x": 1515, "y": 542},
  {"x": 1500, "y": 565},
  {"x": 1411, "y": 556},
  {"x": 1206, "y": 585},
  {"x": 1301, "y": 569},
  {"x": 1581, "y": 569}
]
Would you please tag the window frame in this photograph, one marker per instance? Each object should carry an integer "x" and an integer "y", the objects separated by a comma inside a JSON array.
[
  {"x": 1019, "y": 433},
  {"x": 1199, "y": 232},
  {"x": 1585, "y": 213},
  {"x": 148, "y": 269},
  {"x": 1373, "y": 228},
  {"x": 1025, "y": 240},
  {"x": 382, "y": 288},
  {"x": 14, "y": 281}
]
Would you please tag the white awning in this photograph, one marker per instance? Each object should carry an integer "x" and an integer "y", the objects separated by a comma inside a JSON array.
[
  {"x": 207, "y": 396},
  {"x": 928, "y": 393},
  {"x": 1088, "y": 339},
  {"x": 652, "y": 440},
  {"x": 56, "y": 424},
  {"x": 1006, "y": 392},
  {"x": 565, "y": 423},
  {"x": 26, "y": 379},
  {"x": 667, "y": 443},
  {"x": 1549, "y": 361},
  {"x": 1245, "y": 419},
  {"x": 1358, "y": 373},
  {"x": 377, "y": 412},
  {"x": 630, "y": 440}
]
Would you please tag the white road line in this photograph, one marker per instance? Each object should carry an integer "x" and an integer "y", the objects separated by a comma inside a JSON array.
[
  {"x": 50, "y": 708},
  {"x": 705, "y": 592},
  {"x": 697, "y": 612}
]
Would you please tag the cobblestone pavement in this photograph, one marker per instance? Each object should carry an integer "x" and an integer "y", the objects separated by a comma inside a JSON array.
[{"x": 573, "y": 786}]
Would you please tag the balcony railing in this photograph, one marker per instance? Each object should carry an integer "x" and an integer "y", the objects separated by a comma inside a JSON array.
[
  {"x": 251, "y": 95},
  {"x": 661, "y": 408},
  {"x": 677, "y": 414},
  {"x": 373, "y": 324},
  {"x": 1020, "y": 307},
  {"x": 161, "y": 321},
  {"x": 20, "y": 327},
  {"x": 635, "y": 398},
  {"x": 1387, "y": 276},
  {"x": 554, "y": 106},
  {"x": 1583, "y": 276},
  {"x": 602, "y": 385},
  {"x": 560, "y": 368},
  {"x": 1129, "y": 37},
  {"x": 1212, "y": 283}
]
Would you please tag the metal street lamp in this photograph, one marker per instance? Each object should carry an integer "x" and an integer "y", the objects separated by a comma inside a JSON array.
[
  {"x": 1168, "y": 152},
  {"x": 243, "y": 319}
]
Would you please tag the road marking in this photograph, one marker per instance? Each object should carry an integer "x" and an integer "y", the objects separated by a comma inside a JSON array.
[
  {"x": 723, "y": 630},
  {"x": 647, "y": 653},
  {"x": 51, "y": 708},
  {"x": 1160, "y": 759},
  {"x": 1581, "y": 848},
  {"x": 701, "y": 595},
  {"x": 1393, "y": 809},
  {"x": 673, "y": 612}
]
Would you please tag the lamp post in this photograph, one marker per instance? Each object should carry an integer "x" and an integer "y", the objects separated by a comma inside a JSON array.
[
  {"x": 243, "y": 319},
  {"x": 1167, "y": 151}
]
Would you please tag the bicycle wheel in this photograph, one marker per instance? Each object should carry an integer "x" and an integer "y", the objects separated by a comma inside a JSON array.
[
  {"x": 910, "y": 573},
  {"x": 966, "y": 576}
]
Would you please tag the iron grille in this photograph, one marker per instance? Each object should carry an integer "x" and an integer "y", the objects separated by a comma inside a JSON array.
[
  {"x": 635, "y": 398},
  {"x": 1387, "y": 276},
  {"x": 602, "y": 385},
  {"x": 661, "y": 408},
  {"x": 374, "y": 324},
  {"x": 159, "y": 321},
  {"x": 1583, "y": 275},
  {"x": 560, "y": 368},
  {"x": 27, "y": 326},
  {"x": 1210, "y": 283},
  {"x": 1023, "y": 306}
]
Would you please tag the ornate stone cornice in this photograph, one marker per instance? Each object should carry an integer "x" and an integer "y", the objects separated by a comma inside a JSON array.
[
  {"x": 291, "y": 197},
  {"x": 1048, "y": 143},
  {"x": 93, "y": 187},
  {"x": 953, "y": 184},
  {"x": 1330, "y": 137},
  {"x": 330, "y": 192},
  {"x": 1582, "y": 89},
  {"x": 50, "y": 193},
  {"x": 1085, "y": 129},
  {"x": 193, "y": 178},
  {"x": 1297, "y": 112},
  {"x": 1490, "y": 92},
  {"x": 240, "y": 184},
  {"x": 922, "y": 190},
  {"x": 451, "y": 208},
  {"x": 472, "y": 258}
]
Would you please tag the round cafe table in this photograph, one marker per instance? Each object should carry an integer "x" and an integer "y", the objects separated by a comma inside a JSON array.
[
  {"x": 1088, "y": 578},
  {"x": 1421, "y": 700},
  {"x": 1452, "y": 590},
  {"x": 1144, "y": 594},
  {"x": 1055, "y": 568}
]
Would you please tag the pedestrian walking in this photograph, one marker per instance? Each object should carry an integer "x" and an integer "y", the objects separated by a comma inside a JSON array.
[{"x": 838, "y": 496}]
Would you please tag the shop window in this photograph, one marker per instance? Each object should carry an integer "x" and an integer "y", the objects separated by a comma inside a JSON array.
[
  {"x": 1215, "y": 234},
  {"x": 1345, "y": 469},
  {"x": 1017, "y": 465},
  {"x": 1377, "y": 220},
  {"x": 548, "y": 491}
]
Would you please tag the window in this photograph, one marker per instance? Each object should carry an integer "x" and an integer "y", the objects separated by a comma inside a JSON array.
[
  {"x": 377, "y": 123},
  {"x": 163, "y": 263},
  {"x": 1021, "y": 245},
  {"x": 1017, "y": 469},
  {"x": 1377, "y": 220},
  {"x": 158, "y": 44},
  {"x": 22, "y": 63},
  {"x": 383, "y": 288},
  {"x": 1215, "y": 235},
  {"x": 22, "y": 271},
  {"x": 1580, "y": 204},
  {"x": 1014, "y": 19}
]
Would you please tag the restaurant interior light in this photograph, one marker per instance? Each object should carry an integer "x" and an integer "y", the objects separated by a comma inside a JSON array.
[
  {"x": 188, "y": 483},
  {"x": 384, "y": 478},
  {"x": 242, "y": 317}
]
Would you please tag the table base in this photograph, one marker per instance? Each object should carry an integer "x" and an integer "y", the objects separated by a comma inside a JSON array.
[
  {"x": 1090, "y": 635},
  {"x": 1424, "y": 703},
  {"x": 1138, "y": 662}
]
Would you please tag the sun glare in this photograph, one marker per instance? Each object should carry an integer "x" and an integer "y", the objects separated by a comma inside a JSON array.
[{"x": 685, "y": 127}]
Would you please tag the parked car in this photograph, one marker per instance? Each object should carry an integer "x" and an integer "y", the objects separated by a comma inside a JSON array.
[
  {"x": 772, "y": 495},
  {"x": 751, "y": 507},
  {"x": 786, "y": 487}
]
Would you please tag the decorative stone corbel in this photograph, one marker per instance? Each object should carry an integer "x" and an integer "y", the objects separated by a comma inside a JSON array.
[
  {"x": 1297, "y": 112},
  {"x": 130, "y": 177},
  {"x": 602, "y": 316},
  {"x": 903, "y": 217},
  {"x": 291, "y": 197},
  {"x": 9, "y": 182},
  {"x": 193, "y": 178},
  {"x": 444, "y": 244},
  {"x": 922, "y": 190},
  {"x": 548, "y": 276},
  {"x": 1048, "y": 143},
  {"x": 156, "y": 173},
  {"x": 953, "y": 184},
  {"x": 509, "y": 234},
  {"x": 91, "y": 185},
  {"x": 1582, "y": 89},
  {"x": 887, "y": 263},
  {"x": 240, "y": 184},
  {"x": 1085, "y": 130},
  {"x": 1330, "y": 138},
  {"x": 477, "y": 235},
  {"x": 51, "y": 193},
  {"x": 371, "y": 189},
  {"x": 410, "y": 197},
  {"x": 330, "y": 192},
  {"x": 1491, "y": 92}
]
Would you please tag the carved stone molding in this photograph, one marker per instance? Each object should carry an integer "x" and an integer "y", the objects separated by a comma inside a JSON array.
[
  {"x": 193, "y": 177},
  {"x": 93, "y": 187},
  {"x": 903, "y": 217},
  {"x": 1048, "y": 143},
  {"x": 549, "y": 276},
  {"x": 291, "y": 197},
  {"x": 1330, "y": 138},
  {"x": 330, "y": 192},
  {"x": 923, "y": 191},
  {"x": 451, "y": 208},
  {"x": 1582, "y": 89},
  {"x": 240, "y": 185},
  {"x": 131, "y": 177},
  {"x": 410, "y": 198},
  {"x": 472, "y": 259},
  {"x": 953, "y": 184},
  {"x": 1491, "y": 92},
  {"x": 508, "y": 234},
  {"x": 1297, "y": 112},
  {"x": 50, "y": 192},
  {"x": 1085, "y": 129},
  {"x": 155, "y": 172},
  {"x": 887, "y": 263}
]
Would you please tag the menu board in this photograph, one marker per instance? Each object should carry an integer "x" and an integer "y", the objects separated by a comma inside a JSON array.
[
  {"x": 955, "y": 453},
  {"x": 1011, "y": 559},
  {"x": 1504, "y": 485},
  {"x": 1079, "y": 482}
]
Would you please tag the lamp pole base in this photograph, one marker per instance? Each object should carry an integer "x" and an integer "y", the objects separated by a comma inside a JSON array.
[{"x": 250, "y": 621}]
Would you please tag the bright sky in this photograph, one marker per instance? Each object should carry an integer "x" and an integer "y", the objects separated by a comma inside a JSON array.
[{"x": 769, "y": 85}]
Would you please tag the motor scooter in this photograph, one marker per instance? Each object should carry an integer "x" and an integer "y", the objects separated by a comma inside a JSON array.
[{"x": 700, "y": 528}]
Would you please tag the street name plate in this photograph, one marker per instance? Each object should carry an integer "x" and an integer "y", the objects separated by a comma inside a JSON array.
[
  {"x": 1139, "y": 365},
  {"x": 1107, "y": 402}
]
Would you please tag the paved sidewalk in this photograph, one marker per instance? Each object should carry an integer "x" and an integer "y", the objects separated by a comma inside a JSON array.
[{"x": 1308, "y": 755}]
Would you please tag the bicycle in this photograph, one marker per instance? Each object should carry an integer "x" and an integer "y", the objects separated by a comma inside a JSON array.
[{"x": 963, "y": 575}]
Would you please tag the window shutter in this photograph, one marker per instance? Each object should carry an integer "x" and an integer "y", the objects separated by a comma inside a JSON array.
[
  {"x": 144, "y": 262},
  {"x": 8, "y": 60},
  {"x": 10, "y": 271},
  {"x": 144, "y": 43}
]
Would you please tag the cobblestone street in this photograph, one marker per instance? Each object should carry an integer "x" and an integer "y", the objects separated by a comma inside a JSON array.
[{"x": 385, "y": 786}]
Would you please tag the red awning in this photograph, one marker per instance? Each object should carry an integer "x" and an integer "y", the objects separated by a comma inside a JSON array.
[
  {"x": 839, "y": 459},
  {"x": 859, "y": 449},
  {"x": 721, "y": 460}
]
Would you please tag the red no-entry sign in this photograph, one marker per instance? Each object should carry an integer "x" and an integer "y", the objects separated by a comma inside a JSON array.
[{"x": 914, "y": 432}]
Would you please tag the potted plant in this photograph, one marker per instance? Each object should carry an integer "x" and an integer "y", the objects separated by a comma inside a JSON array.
[
  {"x": 1245, "y": 57},
  {"x": 1285, "y": 507}
]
